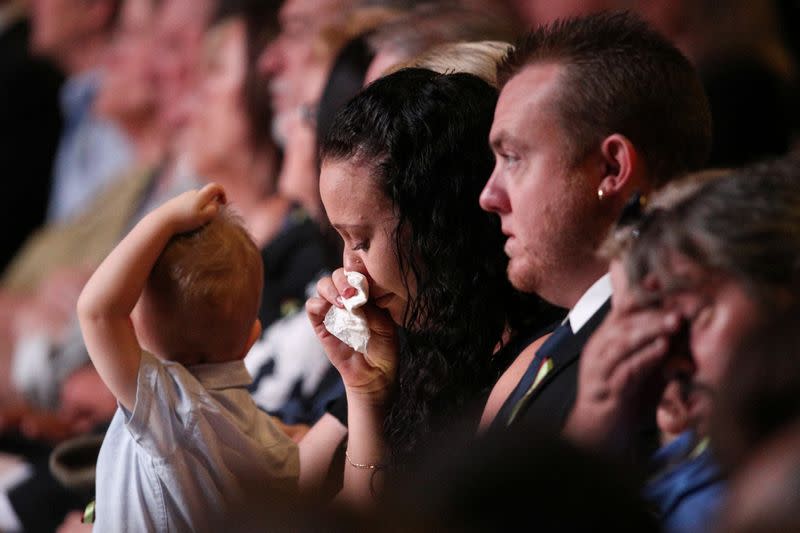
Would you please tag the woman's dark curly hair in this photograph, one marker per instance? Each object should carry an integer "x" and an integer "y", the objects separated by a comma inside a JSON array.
[{"x": 425, "y": 137}]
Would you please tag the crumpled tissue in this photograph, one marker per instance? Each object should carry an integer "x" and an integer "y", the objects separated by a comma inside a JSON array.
[{"x": 349, "y": 325}]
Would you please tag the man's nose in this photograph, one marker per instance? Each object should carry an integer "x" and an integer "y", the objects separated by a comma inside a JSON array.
[{"x": 494, "y": 197}]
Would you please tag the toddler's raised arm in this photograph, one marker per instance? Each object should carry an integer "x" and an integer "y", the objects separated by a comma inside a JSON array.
[{"x": 105, "y": 305}]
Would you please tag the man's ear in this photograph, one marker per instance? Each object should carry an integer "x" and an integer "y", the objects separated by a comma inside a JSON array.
[
  {"x": 255, "y": 334},
  {"x": 622, "y": 167}
]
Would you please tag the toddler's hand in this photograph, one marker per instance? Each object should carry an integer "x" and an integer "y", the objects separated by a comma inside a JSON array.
[{"x": 193, "y": 209}]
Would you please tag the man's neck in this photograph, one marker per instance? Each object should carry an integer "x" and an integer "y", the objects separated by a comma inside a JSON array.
[{"x": 573, "y": 285}]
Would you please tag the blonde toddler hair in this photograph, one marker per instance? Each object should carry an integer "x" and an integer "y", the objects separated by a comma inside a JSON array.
[{"x": 205, "y": 292}]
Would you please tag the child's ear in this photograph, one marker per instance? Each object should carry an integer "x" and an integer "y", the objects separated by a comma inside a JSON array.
[{"x": 255, "y": 334}]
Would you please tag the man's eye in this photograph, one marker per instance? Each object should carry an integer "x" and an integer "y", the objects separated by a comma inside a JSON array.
[{"x": 509, "y": 159}]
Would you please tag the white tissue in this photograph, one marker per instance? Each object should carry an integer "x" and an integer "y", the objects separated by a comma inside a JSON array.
[{"x": 349, "y": 325}]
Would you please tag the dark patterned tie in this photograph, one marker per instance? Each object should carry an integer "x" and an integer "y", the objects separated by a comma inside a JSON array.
[{"x": 540, "y": 366}]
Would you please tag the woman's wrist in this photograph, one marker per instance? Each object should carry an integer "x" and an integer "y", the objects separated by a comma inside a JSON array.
[{"x": 365, "y": 431}]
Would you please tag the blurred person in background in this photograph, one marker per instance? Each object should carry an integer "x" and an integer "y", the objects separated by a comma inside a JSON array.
[
  {"x": 352, "y": 51},
  {"x": 479, "y": 58},
  {"x": 535, "y": 12},
  {"x": 296, "y": 65},
  {"x": 41, "y": 285},
  {"x": 30, "y": 125},
  {"x": 738, "y": 47},
  {"x": 228, "y": 141},
  {"x": 181, "y": 29},
  {"x": 294, "y": 75},
  {"x": 79, "y": 398},
  {"x": 340, "y": 50},
  {"x": 91, "y": 151},
  {"x": 697, "y": 295},
  {"x": 748, "y": 72},
  {"x": 429, "y": 25}
]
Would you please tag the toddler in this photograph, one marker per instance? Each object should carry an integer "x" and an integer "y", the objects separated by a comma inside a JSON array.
[{"x": 167, "y": 319}]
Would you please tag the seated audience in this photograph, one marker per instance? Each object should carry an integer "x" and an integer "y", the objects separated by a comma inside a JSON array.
[
  {"x": 30, "y": 125},
  {"x": 229, "y": 141},
  {"x": 428, "y": 25},
  {"x": 44, "y": 280},
  {"x": 82, "y": 401},
  {"x": 91, "y": 151},
  {"x": 742, "y": 56},
  {"x": 402, "y": 168}
]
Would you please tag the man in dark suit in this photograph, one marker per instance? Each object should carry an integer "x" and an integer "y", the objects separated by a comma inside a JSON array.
[
  {"x": 30, "y": 125},
  {"x": 592, "y": 110}
]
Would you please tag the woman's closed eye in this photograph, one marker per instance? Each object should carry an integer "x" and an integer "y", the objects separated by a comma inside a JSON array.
[{"x": 361, "y": 245}]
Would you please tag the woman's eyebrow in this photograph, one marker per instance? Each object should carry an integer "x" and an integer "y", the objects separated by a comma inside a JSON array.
[{"x": 348, "y": 227}]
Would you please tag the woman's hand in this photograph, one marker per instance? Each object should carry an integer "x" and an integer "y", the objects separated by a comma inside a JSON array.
[{"x": 368, "y": 375}]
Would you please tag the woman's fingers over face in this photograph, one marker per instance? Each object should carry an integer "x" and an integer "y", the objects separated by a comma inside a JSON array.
[
  {"x": 327, "y": 290},
  {"x": 316, "y": 309},
  {"x": 379, "y": 320},
  {"x": 343, "y": 287}
]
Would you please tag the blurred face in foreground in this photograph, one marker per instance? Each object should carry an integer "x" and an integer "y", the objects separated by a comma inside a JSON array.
[{"x": 719, "y": 314}]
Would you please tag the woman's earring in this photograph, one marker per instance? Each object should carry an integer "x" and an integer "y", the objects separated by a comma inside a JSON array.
[{"x": 600, "y": 193}]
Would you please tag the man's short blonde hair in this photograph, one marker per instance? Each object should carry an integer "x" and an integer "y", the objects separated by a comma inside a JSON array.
[{"x": 205, "y": 291}]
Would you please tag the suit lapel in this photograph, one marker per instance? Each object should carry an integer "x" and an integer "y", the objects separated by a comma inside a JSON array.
[{"x": 567, "y": 352}]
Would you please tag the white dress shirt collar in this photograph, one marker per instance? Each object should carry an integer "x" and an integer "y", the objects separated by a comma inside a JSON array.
[{"x": 589, "y": 303}]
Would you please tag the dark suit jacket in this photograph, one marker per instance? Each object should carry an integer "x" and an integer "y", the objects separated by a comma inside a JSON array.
[
  {"x": 552, "y": 400},
  {"x": 30, "y": 126}
]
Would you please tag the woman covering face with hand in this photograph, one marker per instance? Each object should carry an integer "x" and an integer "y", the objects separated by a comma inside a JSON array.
[{"x": 402, "y": 169}]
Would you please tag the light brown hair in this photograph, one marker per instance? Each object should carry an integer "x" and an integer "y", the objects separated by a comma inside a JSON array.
[
  {"x": 745, "y": 223},
  {"x": 206, "y": 289}
]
